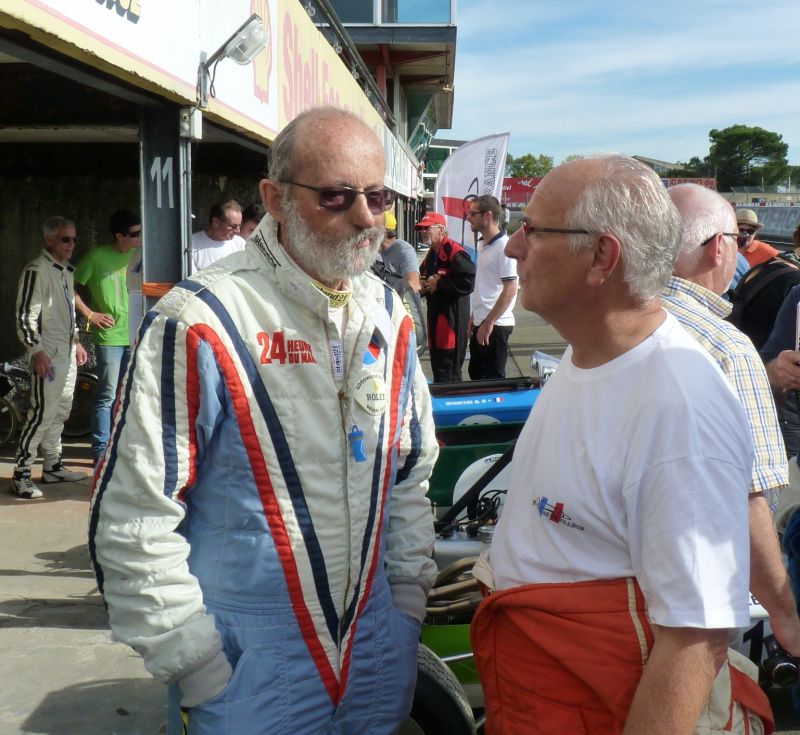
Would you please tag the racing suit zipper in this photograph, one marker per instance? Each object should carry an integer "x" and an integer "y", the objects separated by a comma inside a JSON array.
[
  {"x": 351, "y": 448},
  {"x": 344, "y": 402},
  {"x": 344, "y": 406}
]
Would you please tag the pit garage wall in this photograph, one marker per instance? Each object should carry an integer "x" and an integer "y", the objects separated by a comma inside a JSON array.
[{"x": 156, "y": 47}]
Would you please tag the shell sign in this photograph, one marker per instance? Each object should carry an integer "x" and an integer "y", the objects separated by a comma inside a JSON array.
[{"x": 262, "y": 64}]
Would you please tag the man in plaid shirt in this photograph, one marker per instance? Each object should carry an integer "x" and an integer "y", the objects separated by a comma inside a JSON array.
[{"x": 702, "y": 271}]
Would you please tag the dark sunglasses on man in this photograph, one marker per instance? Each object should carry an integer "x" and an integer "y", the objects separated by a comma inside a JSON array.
[{"x": 341, "y": 198}]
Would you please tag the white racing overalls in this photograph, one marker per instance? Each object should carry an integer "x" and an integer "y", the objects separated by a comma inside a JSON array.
[
  {"x": 250, "y": 503},
  {"x": 45, "y": 319}
]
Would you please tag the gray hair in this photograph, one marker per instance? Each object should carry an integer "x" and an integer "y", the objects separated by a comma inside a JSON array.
[
  {"x": 282, "y": 158},
  {"x": 704, "y": 213},
  {"x": 629, "y": 201},
  {"x": 54, "y": 224}
]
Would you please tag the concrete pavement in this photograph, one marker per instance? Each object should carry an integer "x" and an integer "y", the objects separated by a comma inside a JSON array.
[{"x": 61, "y": 673}]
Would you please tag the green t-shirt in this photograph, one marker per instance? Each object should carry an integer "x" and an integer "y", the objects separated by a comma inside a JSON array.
[{"x": 103, "y": 271}]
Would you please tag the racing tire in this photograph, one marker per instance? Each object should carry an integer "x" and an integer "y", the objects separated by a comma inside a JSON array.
[
  {"x": 79, "y": 422},
  {"x": 8, "y": 421},
  {"x": 440, "y": 705}
]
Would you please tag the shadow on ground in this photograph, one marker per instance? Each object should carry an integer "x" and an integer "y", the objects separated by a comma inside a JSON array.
[{"x": 111, "y": 707}]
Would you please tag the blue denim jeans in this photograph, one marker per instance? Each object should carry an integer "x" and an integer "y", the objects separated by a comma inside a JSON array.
[{"x": 111, "y": 365}]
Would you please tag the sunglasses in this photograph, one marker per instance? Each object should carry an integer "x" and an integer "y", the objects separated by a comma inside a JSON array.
[
  {"x": 133, "y": 233},
  {"x": 743, "y": 236},
  {"x": 341, "y": 198},
  {"x": 66, "y": 238}
]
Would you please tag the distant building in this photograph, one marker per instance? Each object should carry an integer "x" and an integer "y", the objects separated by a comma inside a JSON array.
[
  {"x": 409, "y": 49},
  {"x": 660, "y": 167},
  {"x": 438, "y": 150}
]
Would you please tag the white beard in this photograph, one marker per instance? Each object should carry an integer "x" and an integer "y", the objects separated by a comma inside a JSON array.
[{"x": 320, "y": 255}]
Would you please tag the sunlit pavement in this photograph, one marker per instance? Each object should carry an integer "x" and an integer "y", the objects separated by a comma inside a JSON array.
[{"x": 61, "y": 674}]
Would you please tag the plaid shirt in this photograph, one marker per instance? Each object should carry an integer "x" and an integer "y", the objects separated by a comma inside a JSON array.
[{"x": 702, "y": 314}]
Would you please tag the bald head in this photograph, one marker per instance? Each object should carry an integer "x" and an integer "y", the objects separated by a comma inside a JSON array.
[
  {"x": 706, "y": 256},
  {"x": 309, "y": 135}
]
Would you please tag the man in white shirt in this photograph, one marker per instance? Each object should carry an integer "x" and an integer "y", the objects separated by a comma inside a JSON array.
[
  {"x": 621, "y": 559},
  {"x": 491, "y": 318},
  {"x": 220, "y": 238}
]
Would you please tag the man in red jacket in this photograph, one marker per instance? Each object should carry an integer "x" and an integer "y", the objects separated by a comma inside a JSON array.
[{"x": 448, "y": 276}]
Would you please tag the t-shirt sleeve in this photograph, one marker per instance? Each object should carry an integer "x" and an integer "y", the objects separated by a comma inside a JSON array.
[
  {"x": 507, "y": 267},
  {"x": 83, "y": 271}
]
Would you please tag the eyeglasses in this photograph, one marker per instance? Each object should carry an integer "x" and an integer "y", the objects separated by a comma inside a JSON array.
[
  {"x": 473, "y": 212},
  {"x": 341, "y": 198},
  {"x": 725, "y": 234},
  {"x": 533, "y": 230},
  {"x": 66, "y": 238},
  {"x": 132, "y": 233}
]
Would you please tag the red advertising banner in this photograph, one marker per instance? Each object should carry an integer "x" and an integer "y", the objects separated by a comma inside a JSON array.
[
  {"x": 517, "y": 190},
  {"x": 708, "y": 183}
]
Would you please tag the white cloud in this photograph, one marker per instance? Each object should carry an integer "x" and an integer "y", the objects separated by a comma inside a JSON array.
[{"x": 651, "y": 75}]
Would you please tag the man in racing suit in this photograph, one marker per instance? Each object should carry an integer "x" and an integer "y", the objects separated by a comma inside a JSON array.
[
  {"x": 259, "y": 526},
  {"x": 621, "y": 558},
  {"x": 45, "y": 319}
]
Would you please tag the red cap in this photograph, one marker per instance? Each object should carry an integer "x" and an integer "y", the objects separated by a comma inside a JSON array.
[{"x": 431, "y": 218}]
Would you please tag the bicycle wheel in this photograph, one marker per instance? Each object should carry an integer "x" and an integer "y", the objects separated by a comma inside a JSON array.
[
  {"x": 79, "y": 422},
  {"x": 8, "y": 421}
]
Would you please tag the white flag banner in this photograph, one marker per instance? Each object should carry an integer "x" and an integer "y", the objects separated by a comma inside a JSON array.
[{"x": 474, "y": 169}]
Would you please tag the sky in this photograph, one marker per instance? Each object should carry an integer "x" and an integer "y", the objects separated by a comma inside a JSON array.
[{"x": 640, "y": 77}]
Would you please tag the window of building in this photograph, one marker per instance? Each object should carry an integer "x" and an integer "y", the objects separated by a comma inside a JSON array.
[
  {"x": 353, "y": 11},
  {"x": 416, "y": 11}
]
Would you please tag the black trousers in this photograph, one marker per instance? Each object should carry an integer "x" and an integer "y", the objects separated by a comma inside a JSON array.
[
  {"x": 489, "y": 361},
  {"x": 446, "y": 365}
]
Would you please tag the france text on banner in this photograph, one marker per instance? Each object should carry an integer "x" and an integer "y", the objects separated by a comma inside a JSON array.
[{"x": 474, "y": 169}]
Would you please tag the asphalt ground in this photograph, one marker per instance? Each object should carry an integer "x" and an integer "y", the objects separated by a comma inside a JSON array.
[{"x": 60, "y": 671}]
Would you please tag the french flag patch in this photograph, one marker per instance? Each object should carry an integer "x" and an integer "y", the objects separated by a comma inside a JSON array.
[{"x": 373, "y": 351}]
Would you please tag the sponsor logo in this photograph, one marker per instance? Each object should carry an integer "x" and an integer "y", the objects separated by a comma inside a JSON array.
[
  {"x": 554, "y": 512},
  {"x": 131, "y": 10},
  {"x": 261, "y": 244},
  {"x": 370, "y": 394},
  {"x": 373, "y": 352},
  {"x": 277, "y": 349}
]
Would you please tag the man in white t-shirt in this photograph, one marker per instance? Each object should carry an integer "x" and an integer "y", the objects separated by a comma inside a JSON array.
[
  {"x": 491, "y": 318},
  {"x": 220, "y": 238},
  {"x": 623, "y": 540}
]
